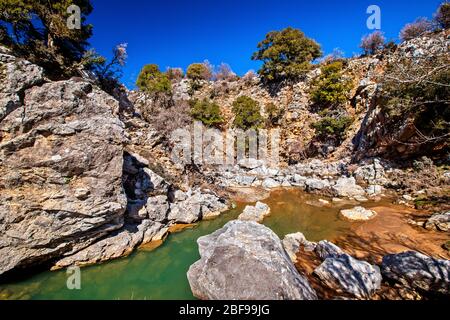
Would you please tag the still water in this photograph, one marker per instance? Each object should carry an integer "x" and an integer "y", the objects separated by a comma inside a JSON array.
[{"x": 161, "y": 273}]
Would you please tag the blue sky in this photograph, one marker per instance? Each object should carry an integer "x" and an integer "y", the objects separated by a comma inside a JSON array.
[{"x": 177, "y": 33}]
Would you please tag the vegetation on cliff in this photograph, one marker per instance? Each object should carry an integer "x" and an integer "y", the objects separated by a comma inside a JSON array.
[
  {"x": 207, "y": 112},
  {"x": 286, "y": 54},
  {"x": 154, "y": 83},
  {"x": 247, "y": 113},
  {"x": 330, "y": 89},
  {"x": 38, "y": 32}
]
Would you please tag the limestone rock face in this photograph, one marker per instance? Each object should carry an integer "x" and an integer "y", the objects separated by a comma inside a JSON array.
[
  {"x": 255, "y": 213},
  {"x": 16, "y": 76},
  {"x": 246, "y": 261},
  {"x": 61, "y": 159},
  {"x": 418, "y": 271},
  {"x": 120, "y": 243}
]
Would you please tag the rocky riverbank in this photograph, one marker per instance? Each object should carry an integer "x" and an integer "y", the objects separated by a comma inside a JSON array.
[{"x": 323, "y": 270}]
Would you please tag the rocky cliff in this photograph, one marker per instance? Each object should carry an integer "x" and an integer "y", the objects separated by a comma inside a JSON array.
[{"x": 69, "y": 188}]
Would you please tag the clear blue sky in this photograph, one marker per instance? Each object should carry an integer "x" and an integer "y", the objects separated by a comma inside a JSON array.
[{"x": 179, "y": 32}]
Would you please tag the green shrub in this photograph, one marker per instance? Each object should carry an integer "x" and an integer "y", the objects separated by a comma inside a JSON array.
[
  {"x": 247, "y": 113},
  {"x": 286, "y": 54},
  {"x": 199, "y": 71},
  {"x": 330, "y": 127},
  {"x": 207, "y": 112},
  {"x": 330, "y": 89},
  {"x": 151, "y": 80},
  {"x": 274, "y": 114}
]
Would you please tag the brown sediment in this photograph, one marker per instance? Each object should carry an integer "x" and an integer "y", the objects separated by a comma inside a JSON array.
[
  {"x": 388, "y": 233},
  {"x": 180, "y": 227},
  {"x": 150, "y": 246}
]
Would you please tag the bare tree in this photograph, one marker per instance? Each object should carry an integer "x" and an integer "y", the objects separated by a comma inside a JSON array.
[
  {"x": 416, "y": 90},
  {"x": 373, "y": 42},
  {"x": 416, "y": 29},
  {"x": 224, "y": 72}
]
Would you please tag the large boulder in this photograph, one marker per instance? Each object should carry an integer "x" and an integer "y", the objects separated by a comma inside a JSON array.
[
  {"x": 157, "y": 208},
  {"x": 345, "y": 274},
  {"x": 246, "y": 261},
  {"x": 61, "y": 159},
  {"x": 316, "y": 184},
  {"x": 418, "y": 271},
  {"x": 270, "y": 183},
  {"x": 372, "y": 173}
]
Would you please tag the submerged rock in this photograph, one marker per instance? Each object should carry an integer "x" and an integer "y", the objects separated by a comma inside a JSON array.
[
  {"x": 358, "y": 214},
  {"x": 255, "y": 213},
  {"x": 246, "y": 261},
  {"x": 418, "y": 271}
]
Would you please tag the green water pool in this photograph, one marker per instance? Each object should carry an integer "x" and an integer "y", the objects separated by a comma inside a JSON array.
[{"x": 161, "y": 273}]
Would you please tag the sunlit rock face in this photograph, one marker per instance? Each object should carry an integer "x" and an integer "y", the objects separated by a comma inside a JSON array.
[{"x": 61, "y": 156}]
